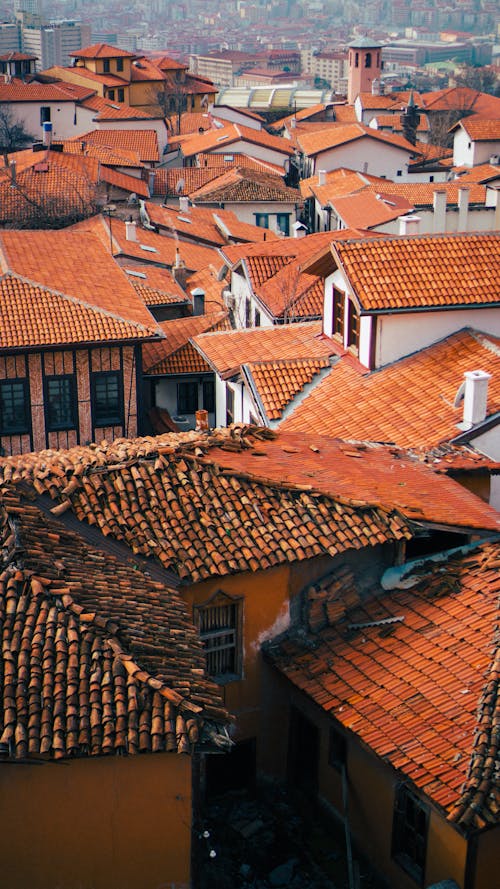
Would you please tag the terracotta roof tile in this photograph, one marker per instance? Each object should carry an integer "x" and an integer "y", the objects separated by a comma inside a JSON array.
[
  {"x": 366, "y": 209},
  {"x": 480, "y": 129},
  {"x": 115, "y": 679},
  {"x": 234, "y": 133},
  {"x": 277, "y": 383},
  {"x": 205, "y": 225},
  {"x": 176, "y": 354},
  {"x": 102, "y": 51},
  {"x": 246, "y": 185},
  {"x": 410, "y": 402},
  {"x": 338, "y": 182},
  {"x": 342, "y": 134},
  {"x": 208, "y": 160},
  {"x": 421, "y": 194},
  {"x": 47, "y": 187},
  {"x": 74, "y": 264},
  {"x": 166, "y": 182},
  {"x": 144, "y": 143},
  {"x": 229, "y": 350},
  {"x": 423, "y": 271},
  {"x": 463, "y": 99},
  {"x": 167, "y": 499},
  {"x": 107, "y": 110},
  {"x": 18, "y": 90},
  {"x": 398, "y": 691}
]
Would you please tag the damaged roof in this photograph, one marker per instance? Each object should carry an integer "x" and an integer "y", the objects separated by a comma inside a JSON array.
[{"x": 413, "y": 673}]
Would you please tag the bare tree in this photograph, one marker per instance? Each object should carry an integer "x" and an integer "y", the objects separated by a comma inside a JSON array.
[
  {"x": 13, "y": 135},
  {"x": 484, "y": 79},
  {"x": 171, "y": 101}
]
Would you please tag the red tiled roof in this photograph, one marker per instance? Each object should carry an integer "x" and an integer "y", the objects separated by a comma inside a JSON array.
[
  {"x": 278, "y": 382},
  {"x": 463, "y": 99},
  {"x": 32, "y": 91},
  {"x": 324, "y": 140},
  {"x": 217, "y": 139},
  {"x": 144, "y": 143},
  {"x": 414, "y": 674},
  {"x": 161, "y": 496},
  {"x": 106, "y": 80},
  {"x": 207, "y": 160},
  {"x": 227, "y": 351},
  {"x": 481, "y": 130},
  {"x": 166, "y": 182},
  {"x": 155, "y": 285},
  {"x": 410, "y": 402},
  {"x": 115, "y": 679},
  {"x": 338, "y": 182},
  {"x": 423, "y": 271},
  {"x": 157, "y": 357},
  {"x": 366, "y": 209},
  {"x": 205, "y": 225},
  {"x": 107, "y": 110},
  {"x": 421, "y": 194},
  {"x": 74, "y": 264},
  {"x": 102, "y": 51},
  {"x": 238, "y": 185}
]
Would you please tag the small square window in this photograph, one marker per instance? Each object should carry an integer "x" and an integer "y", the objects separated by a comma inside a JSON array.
[
  {"x": 119, "y": 64},
  {"x": 14, "y": 407},
  {"x": 60, "y": 402},
  {"x": 262, "y": 220},
  {"x": 399, "y": 172},
  {"x": 187, "y": 398},
  {"x": 107, "y": 399}
]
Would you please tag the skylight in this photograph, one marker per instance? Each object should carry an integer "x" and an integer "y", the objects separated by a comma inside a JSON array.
[
  {"x": 135, "y": 274},
  {"x": 149, "y": 249}
]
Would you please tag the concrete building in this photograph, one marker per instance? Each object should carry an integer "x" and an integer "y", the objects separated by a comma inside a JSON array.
[{"x": 54, "y": 42}]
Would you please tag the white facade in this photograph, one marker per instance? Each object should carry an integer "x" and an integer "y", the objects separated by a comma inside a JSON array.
[
  {"x": 470, "y": 153},
  {"x": 64, "y": 117},
  {"x": 366, "y": 155},
  {"x": 252, "y": 213},
  {"x": 258, "y": 152},
  {"x": 402, "y": 333}
]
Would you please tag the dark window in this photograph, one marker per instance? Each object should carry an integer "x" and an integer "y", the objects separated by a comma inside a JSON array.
[
  {"x": 107, "y": 399},
  {"x": 219, "y": 624},
  {"x": 44, "y": 114},
  {"x": 111, "y": 94},
  {"x": 14, "y": 407},
  {"x": 229, "y": 405},
  {"x": 409, "y": 833},
  {"x": 353, "y": 326},
  {"x": 257, "y": 318},
  {"x": 368, "y": 60},
  {"x": 247, "y": 312},
  {"x": 106, "y": 66},
  {"x": 338, "y": 313},
  {"x": 283, "y": 220},
  {"x": 119, "y": 64},
  {"x": 187, "y": 398},
  {"x": 356, "y": 62},
  {"x": 121, "y": 95},
  {"x": 209, "y": 396},
  {"x": 337, "y": 749},
  {"x": 399, "y": 172},
  {"x": 60, "y": 402},
  {"x": 262, "y": 220}
]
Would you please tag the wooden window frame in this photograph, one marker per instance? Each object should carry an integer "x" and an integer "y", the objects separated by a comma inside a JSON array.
[
  {"x": 352, "y": 326},
  {"x": 220, "y": 625},
  {"x": 338, "y": 314},
  {"x": 113, "y": 415},
  {"x": 187, "y": 397},
  {"x": 229, "y": 405}
]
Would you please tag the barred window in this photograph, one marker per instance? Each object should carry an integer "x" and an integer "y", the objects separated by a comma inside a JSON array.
[
  {"x": 60, "y": 402},
  {"x": 219, "y": 622},
  {"x": 14, "y": 407}
]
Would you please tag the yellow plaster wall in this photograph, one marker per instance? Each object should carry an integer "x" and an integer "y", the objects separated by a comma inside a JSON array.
[{"x": 104, "y": 823}]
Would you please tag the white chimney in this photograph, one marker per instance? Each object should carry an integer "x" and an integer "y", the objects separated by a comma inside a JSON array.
[
  {"x": 409, "y": 225},
  {"x": 47, "y": 133},
  {"x": 13, "y": 172},
  {"x": 198, "y": 296},
  {"x": 439, "y": 220},
  {"x": 321, "y": 177},
  {"x": 463, "y": 207},
  {"x": 184, "y": 204},
  {"x": 497, "y": 210},
  {"x": 475, "y": 397},
  {"x": 130, "y": 230}
]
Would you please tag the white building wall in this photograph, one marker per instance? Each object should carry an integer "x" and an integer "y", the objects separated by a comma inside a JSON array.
[
  {"x": 401, "y": 334},
  {"x": 157, "y": 126},
  {"x": 246, "y": 211},
  {"x": 463, "y": 153},
  {"x": 259, "y": 152},
  {"x": 489, "y": 443},
  {"x": 62, "y": 116},
  {"x": 366, "y": 156}
]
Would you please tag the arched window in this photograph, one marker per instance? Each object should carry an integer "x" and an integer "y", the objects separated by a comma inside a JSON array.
[{"x": 368, "y": 60}]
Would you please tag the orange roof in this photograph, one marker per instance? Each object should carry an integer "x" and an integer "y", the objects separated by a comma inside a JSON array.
[
  {"x": 171, "y": 183},
  {"x": 48, "y": 189},
  {"x": 227, "y": 351},
  {"x": 105, "y": 154},
  {"x": 277, "y": 383},
  {"x": 169, "y": 487},
  {"x": 144, "y": 143},
  {"x": 74, "y": 264},
  {"x": 155, "y": 285},
  {"x": 291, "y": 294},
  {"x": 463, "y": 99},
  {"x": 423, "y": 271},
  {"x": 149, "y": 247},
  {"x": 338, "y": 182},
  {"x": 152, "y": 694},
  {"x": 208, "y": 280},
  {"x": 206, "y": 226},
  {"x": 480, "y": 130},
  {"x": 414, "y": 674},
  {"x": 32, "y": 91},
  {"x": 102, "y": 51},
  {"x": 176, "y": 354},
  {"x": 239, "y": 184},
  {"x": 128, "y": 183},
  {"x": 342, "y": 134},
  {"x": 386, "y": 477},
  {"x": 217, "y": 139},
  {"x": 107, "y": 80},
  {"x": 367, "y": 210},
  {"x": 410, "y": 402},
  {"x": 481, "y": 173},
  {"x": 34, "y": 316},
  {"x": 107, "y": 110},
  {"x": 421, "y": 194},
  {"x": 393, "y": 122},
  {"x": 208, "y": 159}
]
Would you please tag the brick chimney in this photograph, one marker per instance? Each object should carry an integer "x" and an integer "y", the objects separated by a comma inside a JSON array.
[
  {"x": 201, "y": 421},
  {"x": 179, "y": 270}
]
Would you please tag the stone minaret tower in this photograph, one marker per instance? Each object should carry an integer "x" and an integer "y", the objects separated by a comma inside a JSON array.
[{"x": 365, "y": 65}]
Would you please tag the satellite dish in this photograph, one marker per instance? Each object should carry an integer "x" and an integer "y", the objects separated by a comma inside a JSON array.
[{"x": 179, "y": 186}]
